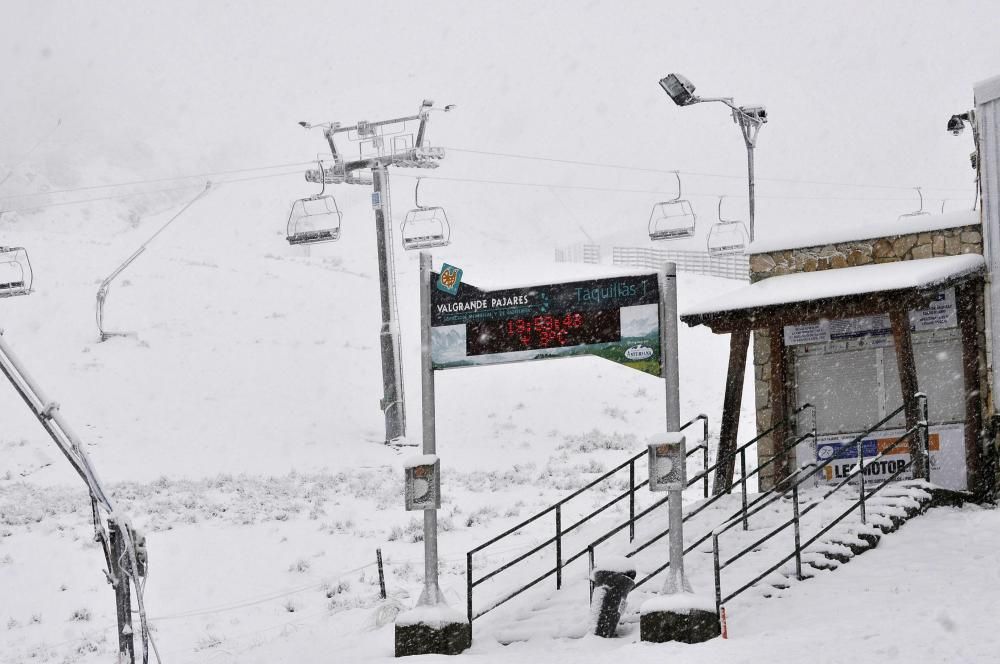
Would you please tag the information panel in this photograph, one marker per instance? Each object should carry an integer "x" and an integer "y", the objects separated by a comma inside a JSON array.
[
  {"x": 940, "y": 313},
  {"x": 946, "y": 445},
  {"x": 615, "y": 318}
]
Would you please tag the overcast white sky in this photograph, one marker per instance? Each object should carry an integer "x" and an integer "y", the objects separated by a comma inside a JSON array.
[{"x": 857, "y": 92}]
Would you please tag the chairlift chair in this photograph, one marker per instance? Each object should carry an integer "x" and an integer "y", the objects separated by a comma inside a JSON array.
[
  {"x": 918, "y": 213},
  {"x": 314, "y": 219},
  {"x": 727, "y": 236},
  {"x": 425, "y": 227},
  {"x": 15, "y": 272},
  {"x": 673, "y": 219}
]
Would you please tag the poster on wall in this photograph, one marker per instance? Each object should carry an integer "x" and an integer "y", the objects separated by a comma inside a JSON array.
[
  {"x": 947, "y": 456},
  {"x": 615, "y": 318},
  {"x": 939, "y": 314}
]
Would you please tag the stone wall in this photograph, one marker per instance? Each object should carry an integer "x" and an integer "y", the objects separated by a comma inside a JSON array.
[{"x": 944, "y": 242}]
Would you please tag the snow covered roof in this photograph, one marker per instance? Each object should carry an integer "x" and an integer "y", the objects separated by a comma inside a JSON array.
[
  {"x": 924, "y": 274},
  {"x": 988, "y": 90},
  {"x": 814, "y": 237}
]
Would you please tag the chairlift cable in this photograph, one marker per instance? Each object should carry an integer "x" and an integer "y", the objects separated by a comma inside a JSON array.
[
  {"x": 645, "y": 169},
  {"x": 550, "y": 185},
  {"x": 27, "y": 154}
]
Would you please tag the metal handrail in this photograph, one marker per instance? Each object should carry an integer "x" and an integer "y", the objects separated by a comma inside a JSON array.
[
  {"x": 920, "y": 430},
  {"x": 740, "y": 512},
  {"x": 561, "y": 532},
  {"x": 741, "y": 450},
  {"x": 708, "y": 502}
]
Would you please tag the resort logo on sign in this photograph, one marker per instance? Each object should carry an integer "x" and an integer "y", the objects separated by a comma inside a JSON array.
[{"x": 639, "y": 352}]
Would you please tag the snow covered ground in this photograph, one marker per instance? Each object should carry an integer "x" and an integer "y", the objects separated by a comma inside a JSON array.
[
  {"x": 240, "y": 429},
  {"x": 240, "y": 426}
]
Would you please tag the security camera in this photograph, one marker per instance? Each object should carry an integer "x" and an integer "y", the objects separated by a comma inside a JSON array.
[
  {"x": 679, "y": 89},
  {"x": 758, "y": 113},
  {"x": 956, "y": 125}
]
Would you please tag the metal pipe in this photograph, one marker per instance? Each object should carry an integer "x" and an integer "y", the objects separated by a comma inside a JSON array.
[
  {"x": 861, "y": 480},
  {"x": 798, "y": 548},
  {"x": 743, "y": 485},
  {"x": 631, "y": 501},
  {"x": 590, "y": 572},
  {"x": 468, "y": 588},
  {"x": 431, "y": 594},
  {"x": 718, "y": 572},
  {"x": 668, "y": 343},
  {"x": 558, "y": 547},
  {"x": 704, "y": 452},
  {"x": 923, "y": 437}
]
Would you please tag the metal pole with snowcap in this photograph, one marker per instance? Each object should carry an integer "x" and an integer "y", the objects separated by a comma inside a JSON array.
[
  {"x": 432, "y": 627},
  {"x": 677, "y": 614}
]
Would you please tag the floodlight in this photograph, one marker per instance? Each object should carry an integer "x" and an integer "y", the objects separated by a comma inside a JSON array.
[
  {"x": 679, "y": 89},
  {"x": 758, "y": 113},
  {"x": 955, "y": 125}
]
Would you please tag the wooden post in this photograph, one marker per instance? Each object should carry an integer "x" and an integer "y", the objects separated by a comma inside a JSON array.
[
  {"x": 900, "y": 318},
  {"x": 778, "y": 382},
  {"x": 123, "y": 597},
  {"x": 739, "y": 343},
  {"x": 965, "y": 303}
]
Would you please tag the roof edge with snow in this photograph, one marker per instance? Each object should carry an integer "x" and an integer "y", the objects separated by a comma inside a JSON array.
[{"x": 860, "y": 290}]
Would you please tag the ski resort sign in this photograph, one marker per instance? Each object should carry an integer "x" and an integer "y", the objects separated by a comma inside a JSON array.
[{"x": 617, "y": 319}]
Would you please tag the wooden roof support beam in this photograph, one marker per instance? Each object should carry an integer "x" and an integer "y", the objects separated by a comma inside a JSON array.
[
  {"x": 966, "y": 301},
  {"x": 739, "y": 343},
  {"x": 778, "y": 398},
  {"x": 900, "y": 319}
]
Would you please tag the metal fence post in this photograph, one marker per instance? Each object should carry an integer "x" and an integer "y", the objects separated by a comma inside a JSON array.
[
  {"x": 798, "y": 546},
  {"x": 468, "y": 586},
  {"x": 923, "y": 434},
  {"x": 743, "y": 485},
  {"x": 631, "y": 500},
  {"x": 590, "y": 575},
  {"x": 704, "y": 454},
  {"x": 558, "y": 547},
  {"x": 718, "y": 572},
  {"x": 861, "y": 480}
]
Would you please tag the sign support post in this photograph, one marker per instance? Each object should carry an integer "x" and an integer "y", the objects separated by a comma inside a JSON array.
[
  {"x": 676, "y": 579},
  {"x": 432, "y": 627},
  {"x": 680, "y": 616},
  {"x": 431, "y": 594}
]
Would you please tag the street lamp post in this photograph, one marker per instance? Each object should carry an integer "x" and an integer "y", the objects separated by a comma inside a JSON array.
[{"x": 749, "y": 118}]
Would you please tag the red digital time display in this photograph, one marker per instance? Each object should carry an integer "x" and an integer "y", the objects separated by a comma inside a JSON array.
[{"x": 543, "y": 331}]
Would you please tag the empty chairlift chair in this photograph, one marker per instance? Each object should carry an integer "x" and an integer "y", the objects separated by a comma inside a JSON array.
[
  {"x": 673, "y": 219},
  {"x": 425, "y": 227},
  {"x": 15, "y": 272},
  {"x": 315, "y": 219},
  {"x": 727, "y": 236},
  {"x": 921, "y": 212}
]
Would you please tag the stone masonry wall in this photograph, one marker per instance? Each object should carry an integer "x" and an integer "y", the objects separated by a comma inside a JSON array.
[{"x": 944, "y": 242}]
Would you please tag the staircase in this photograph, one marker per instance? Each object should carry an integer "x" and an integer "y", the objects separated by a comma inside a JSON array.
[
  {"x": 745, "y": 547},
  {"x": 567, "y": 614}
]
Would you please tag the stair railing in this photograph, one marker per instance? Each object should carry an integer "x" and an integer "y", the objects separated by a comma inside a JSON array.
[
  {"x": 560, "y": 531},
  {"x": 917, "y": 433},
  {"x": 742, "y": 480}
]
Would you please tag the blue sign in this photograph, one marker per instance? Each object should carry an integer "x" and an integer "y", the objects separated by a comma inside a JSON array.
[{"x": 449, "y": 279}]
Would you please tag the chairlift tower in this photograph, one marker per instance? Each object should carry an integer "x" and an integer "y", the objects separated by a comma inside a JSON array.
[{"x": 380, "y": 145}]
